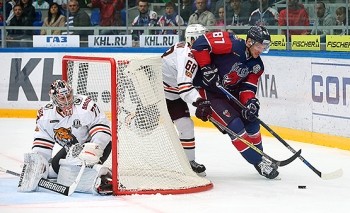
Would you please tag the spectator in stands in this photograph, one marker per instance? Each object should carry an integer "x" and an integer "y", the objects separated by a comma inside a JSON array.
[
  {"x": 54, "y": 19},
  {"x": 264, "y": 15},
  {"x": 297, "y": 16},
  {"x": 9, "y": 10},
  {"x": 219, "y": 4},
  {"x": 28, "y": 10},
  {"x": 2, "y": 16},
  {"x": 110, "y": 14},
  {"x": 40, "y": 4},
  {"x": 146, "y": 17},
  {"x": 208, "y": 5},
  {"x": 77, "y": 18},
  {"x": 62, "y": 5},
  {"x": 202, "y": 15},
  {"x": 170, "y": 19},
  {"x": 250, "y": 5},
  {"x": 323, "y": 19},
  {"x": 84, "y": 3},
  {"x": 341, "y": 21},
  {"x": 240, "y": 16},
  {"x": 20, "y": 35},
  {"x": 220, "y": 21},
  {"x": 186, "y": 10}
]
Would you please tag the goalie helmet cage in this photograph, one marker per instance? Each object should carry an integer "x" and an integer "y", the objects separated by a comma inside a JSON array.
[{"x": 147, "y": 157}]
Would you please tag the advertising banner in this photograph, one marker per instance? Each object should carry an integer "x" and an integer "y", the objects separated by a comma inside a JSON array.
[
  {"x": 338, "y": 43},
  {"x": 278, "y": 42},
  {"x": 110, "y": 41},
  {"x": 306, "y": 42},
  {"x": 56, "y": 41},
  {"x": 158, "y": 40}
]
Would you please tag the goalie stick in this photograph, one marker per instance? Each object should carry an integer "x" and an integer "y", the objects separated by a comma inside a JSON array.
[
  {"x": 325, "y": 176},
  {"x": 52, "y": 186},
  {"x": 279, "y": 163}
]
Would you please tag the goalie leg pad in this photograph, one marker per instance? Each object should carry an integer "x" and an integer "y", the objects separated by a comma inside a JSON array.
[
  {"x": 90, "y": 179},
  {"x": 35, "y": 167}
]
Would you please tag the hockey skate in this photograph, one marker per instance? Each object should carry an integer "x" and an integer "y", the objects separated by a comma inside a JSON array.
[
  {"x": 105, "y": 187},
  {"x": 267, "y": 169},
  {"x": 198, "y": 168}
]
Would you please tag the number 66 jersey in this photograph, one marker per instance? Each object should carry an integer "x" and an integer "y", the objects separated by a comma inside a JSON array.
[{"x": 86, "y": 124}]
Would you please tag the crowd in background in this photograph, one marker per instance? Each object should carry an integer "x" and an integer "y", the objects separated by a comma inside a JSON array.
[{"x": 289, "y": 17}]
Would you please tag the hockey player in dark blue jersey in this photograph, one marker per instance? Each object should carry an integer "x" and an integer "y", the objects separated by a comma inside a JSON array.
[{"x": 236, "y": 65}]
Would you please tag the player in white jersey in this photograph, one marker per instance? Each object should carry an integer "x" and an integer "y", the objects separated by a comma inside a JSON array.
[
  {"x": 76, "y": 123},
  {"x": 179, "y": 69}
]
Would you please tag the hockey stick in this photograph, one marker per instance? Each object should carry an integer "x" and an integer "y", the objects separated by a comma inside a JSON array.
[
  {"x": 52, "y": 186},
  {"x": 279, "y": 163},
  {"x": 77, "y": 179},
  {"x": 325, "y": 176}
]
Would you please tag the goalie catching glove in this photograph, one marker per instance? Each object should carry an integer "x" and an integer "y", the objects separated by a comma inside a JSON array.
[
  {"x": 91, "y": 154},
  {"x": 251, "y": 111},
  {"x": 203, "y": 110},
  {"x": 210, "y": 75}
]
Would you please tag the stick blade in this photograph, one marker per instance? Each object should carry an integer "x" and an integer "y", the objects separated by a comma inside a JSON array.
[
  {"x": 333, "y": 175},
  {"x": 291, "y": 159}
]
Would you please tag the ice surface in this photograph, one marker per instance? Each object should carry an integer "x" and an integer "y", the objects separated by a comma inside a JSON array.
[{"x": 237, "y": 186}]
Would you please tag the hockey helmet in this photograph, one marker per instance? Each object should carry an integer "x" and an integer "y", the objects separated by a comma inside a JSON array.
[
  {"x": 193, "y": 31},
  {"x": 261, "y": 35},
  {"x": 61, "y": 94}
]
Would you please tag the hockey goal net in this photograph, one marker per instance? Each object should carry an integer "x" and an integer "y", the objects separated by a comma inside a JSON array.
[{"x": 147, "y": 157}]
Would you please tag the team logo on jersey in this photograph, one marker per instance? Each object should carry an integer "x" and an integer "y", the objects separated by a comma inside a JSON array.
[
  {"x": 64, "y": 135},
  {"x": 226, "y": 113},
  {"x": 76, "y": 123},
  {"x": 49, "y": 106},
  {"x": 77, "y": 101},
  {"x": 256, "y": 68},
  {"x": 241, "y": 70}
]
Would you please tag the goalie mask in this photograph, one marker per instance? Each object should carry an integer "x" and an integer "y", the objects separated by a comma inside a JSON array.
[
  {"x": 193, "y": 31},
  {"x": 61, "y": 95}
]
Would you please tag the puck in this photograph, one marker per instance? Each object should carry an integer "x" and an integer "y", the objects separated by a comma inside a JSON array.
[{"x": 301, "y": 187}]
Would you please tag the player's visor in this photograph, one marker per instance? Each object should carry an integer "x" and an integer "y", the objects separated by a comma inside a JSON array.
[{"x": 262, "y": 47}]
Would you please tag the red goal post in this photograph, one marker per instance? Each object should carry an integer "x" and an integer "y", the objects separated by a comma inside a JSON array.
[{"x": 147, "y": 157}]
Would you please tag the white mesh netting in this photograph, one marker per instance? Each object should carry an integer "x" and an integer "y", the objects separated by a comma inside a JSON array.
[{"x": 150, "y": 156}]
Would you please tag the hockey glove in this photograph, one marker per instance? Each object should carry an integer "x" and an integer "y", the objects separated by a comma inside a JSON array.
[
  {"x": 203, "y": 110},
  {"x": 251, "y": 112},
  {"x": 91, "y": 154},
  {"x": 210, "y": 75}
]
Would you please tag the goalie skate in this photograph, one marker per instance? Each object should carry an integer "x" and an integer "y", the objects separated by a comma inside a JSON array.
[{"x": 106, "y": 186}]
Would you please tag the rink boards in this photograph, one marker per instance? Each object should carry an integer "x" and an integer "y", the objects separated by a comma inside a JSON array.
[{"x": 304, "y": 95}]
